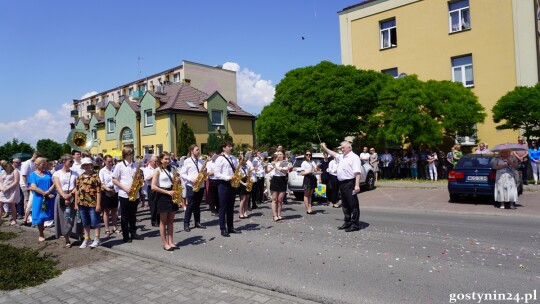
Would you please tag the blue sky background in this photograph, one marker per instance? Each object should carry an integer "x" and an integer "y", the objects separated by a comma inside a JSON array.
[{"x": 54, "y": 51}]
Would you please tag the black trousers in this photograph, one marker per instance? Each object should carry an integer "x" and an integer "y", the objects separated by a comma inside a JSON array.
[
  {"x": 154, "y": 216},
  {"x": 227, "y": 195},
  {"x": 260, "y": 189},
  {"x": 255, "y": 193},
  {"x": 349, "y": 203},
  {"x": 194, "y": 200},
  {"x": 332, "y": 189},
  {"x": 214, "y": 195},
  {"x": 129, "y": 216}
]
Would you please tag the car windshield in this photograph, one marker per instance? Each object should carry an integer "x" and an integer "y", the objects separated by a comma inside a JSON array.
[
  {"x": 298, "y": 161},
  {"x": 475, "y": 162}
]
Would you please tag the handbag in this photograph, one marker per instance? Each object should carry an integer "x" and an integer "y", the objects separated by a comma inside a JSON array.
[{"x": 63, "y": 200}]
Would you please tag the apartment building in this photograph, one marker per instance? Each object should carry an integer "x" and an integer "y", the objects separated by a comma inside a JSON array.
[{"x": 491, "y": 46}]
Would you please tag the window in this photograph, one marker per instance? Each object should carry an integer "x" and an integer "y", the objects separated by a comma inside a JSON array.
[
  {"x": 142, "y": 87},
  {"x": 459, "y": 16},
  {"x": 462, "y": 70},
  {"x": 217, "y": 118},
  {"x": 159, "y": 149},
  {"x": 94, "y": 134},
  {"x": 148, "y": 118},
  {"x": 110, "y": 125},
  {"x": 392, "y": 71},
  {"x": 388, "y": 34},
  {"x": 176, "y": 77}
]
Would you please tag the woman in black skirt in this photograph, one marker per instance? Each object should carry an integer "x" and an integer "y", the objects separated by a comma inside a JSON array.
[
  {"x": 242, "y": 191},
  {"x": 162, "y": 185},
  {"x": 278, "y": 183},
  {"x": 310, "y": 181},
  {"x": 109, "y": 197}
]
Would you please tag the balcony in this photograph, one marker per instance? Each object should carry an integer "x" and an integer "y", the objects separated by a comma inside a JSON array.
[
  {"x": 136, "y": 95},
  {"x": 102, "y": 104},
  {"x": 91, "y": 109},
  {"x": 74, "y": 113}
]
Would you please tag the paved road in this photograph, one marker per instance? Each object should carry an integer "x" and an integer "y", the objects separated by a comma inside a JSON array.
[{"x": 409, "y": 251}]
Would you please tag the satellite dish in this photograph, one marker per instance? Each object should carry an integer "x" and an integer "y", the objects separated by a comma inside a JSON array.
[{"x": 402, "y": 75}]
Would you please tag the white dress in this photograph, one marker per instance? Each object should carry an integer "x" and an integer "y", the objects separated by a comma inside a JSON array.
[{"x": 505, "y": 183}]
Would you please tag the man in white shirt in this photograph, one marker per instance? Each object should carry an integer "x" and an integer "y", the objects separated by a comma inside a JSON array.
[
  {"x": 212, "y": 195},
  {"x": 189, "y": 173},
  {"x": 27, "y": 167},
  {"x": 224, "y": 168},
  {"x": 364, "y": 156},
  {"x": 123, "y": 175},
  {"x": 148, "y": 174},
  {"x": 386, "y": 159},
  {"x": 348, "y": 174},
  {"x": 77, "y": 162}
]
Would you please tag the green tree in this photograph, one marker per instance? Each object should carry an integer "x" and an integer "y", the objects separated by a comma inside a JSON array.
[
  {"x": 184, "y": 139},
  {"x": 519, "y": 109},
  {"x": 11, "y": 147},
  {"x": 413, "y": 112},
  {"x": 212, "y": 144},
  {"x": 49, "y": 148},
  {"x": 326, "y": 100}
]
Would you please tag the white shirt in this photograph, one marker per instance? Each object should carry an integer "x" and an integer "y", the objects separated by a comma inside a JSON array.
[
  {"x": 124, "y": 172},
  {"x": 67, "y": 179},
  {"x": 191, "y": 169},
  {"x": 223, "y": 170},
  {"x": 386, "y": 159},
  {"x": 364, "y": 156},
  {"x": 347, "y": 166},
  {"x": 257, "y": 164},
  {"x": 276, "y": 169},
  {"x": 27, "y": 168},
  {"x": 332, "y": 167},
  {"x": 77, "y": 167},
  {"x": 165, "y": 177},
  {"x": 210, "y": 168},
  {"x": 308, "y": 167},
  {"x": 106, "y": 176},
  {"x": 148, "y": 172}
]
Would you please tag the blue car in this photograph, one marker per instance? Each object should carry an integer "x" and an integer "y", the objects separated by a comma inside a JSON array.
[{"x": 474, "y": 176}]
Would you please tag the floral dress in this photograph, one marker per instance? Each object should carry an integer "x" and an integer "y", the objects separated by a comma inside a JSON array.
[{"x": 505, "y": 183}]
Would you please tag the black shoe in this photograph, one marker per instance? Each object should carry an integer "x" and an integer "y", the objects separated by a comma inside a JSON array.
[
  {"x": 233, "y": 231},
  {"x": 200, "y": 226},
  {"x": 225, "y": 233},
  {"x": 169, "y": 249},
  {"x": 155, "y": 225},
  {"x": 344, "y": 226},
  {"x": 350, "y": 229},
  {"x": 186, "y": 228},
  {"x": 136, "y": 237},
  {"x": 254, "y": 206},
  {"x": 126, "y": 240}
]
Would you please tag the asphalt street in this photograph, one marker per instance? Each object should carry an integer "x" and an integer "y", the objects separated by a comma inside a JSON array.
[{"x": 405, "y": 253}]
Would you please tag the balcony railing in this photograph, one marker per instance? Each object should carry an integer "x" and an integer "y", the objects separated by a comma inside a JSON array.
[
  {"x": 102, "y": 104},
  {"x": 91, "y": 109},
  {"x": 137, "y": 95},
  {"x": 74, "y": 113}
]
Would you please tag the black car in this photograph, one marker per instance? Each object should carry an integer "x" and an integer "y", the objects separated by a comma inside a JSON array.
[{"x": 474, "y": 176}]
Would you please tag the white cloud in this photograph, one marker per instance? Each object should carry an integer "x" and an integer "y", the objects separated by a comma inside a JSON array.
[
  {"x": 88, "y": 95},
  {"x": 253, "y": 92},
  {"x": 41, "y": 125}
]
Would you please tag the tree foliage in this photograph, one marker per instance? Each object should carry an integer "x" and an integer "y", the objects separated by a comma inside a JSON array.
[
  {"x": 327, "y": 101},
  {"x": 519, "y": 109},
  {"x": 212, "y": 144},
  {"x": 50, "y": 149},
  {"x": 11, "y": 147},
  {"x": 184, "y": 139},
  {"x": 410, "y": 111}
]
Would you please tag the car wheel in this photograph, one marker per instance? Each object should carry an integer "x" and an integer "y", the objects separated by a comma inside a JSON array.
[
  {"x": 370, "y": 181},
  {"x": 454, "y": 197},
  {"x": 299, "y": 196}
]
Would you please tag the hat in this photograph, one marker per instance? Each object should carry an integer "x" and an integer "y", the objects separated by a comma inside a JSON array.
[{"x": 86, "y": 161}]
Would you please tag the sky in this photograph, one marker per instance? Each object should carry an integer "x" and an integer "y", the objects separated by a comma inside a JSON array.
[{"x": 52, "y": 52}]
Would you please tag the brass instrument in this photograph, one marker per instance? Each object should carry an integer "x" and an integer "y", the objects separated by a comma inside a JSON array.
[
  {"x": 138, "y": 182},
  {"x": 235, "y": 180},
  {"x": 177, "y": 188},
  {"x": 249, "y": 182},
  {"x": 201, "y": 178},
  {"x": 79, "y": 140}
]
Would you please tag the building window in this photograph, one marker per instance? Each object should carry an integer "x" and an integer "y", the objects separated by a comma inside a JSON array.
[
  {"x": 110, "y": 125},
  {"x": 148, "y": 118},
  {"x": 159, "y": 149},
  {"x": 176, "y": 77},
  {"x": 142, "y": 87},
  {"x": 462, "y": 70},
  {"x": 392, "y": 71},
  {"x": 388, "y": 34},
  {"x": 217, "y": 118},
  {"x": 130, "y": 91},
  {"x": 94, "y": 134},
  {"x": 459, "y": 16}
]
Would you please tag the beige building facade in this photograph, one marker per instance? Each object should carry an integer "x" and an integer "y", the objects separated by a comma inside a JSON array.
[{"x": 491, "y": 46}]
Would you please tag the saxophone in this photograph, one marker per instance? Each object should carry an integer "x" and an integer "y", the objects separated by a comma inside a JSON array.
[
  {"x": 177, "y": 188},
  {"x": 201, "y": 178},
  {"x": 249, "y": 183},
  {"x": 137, "y": 183},
  {"x": 235, "y": 180}
]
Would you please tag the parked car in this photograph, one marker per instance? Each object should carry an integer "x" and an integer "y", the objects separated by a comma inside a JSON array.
[
  {"x": 367, "y": 177},
  {"x": 474, "y": 176}
]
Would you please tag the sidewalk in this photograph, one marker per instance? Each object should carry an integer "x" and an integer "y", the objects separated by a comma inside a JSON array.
[
  {"x": 132, "y": 279},
  {"x": 426, "y": 184}
]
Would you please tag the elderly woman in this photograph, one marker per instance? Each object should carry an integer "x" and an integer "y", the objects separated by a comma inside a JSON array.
[
  {"x": 42, "y": 187},
  {"x": 9, "y": 189},
  {"x": 64, "y": 212},
  {"x": 374, "y": 162},
  {"x": 506, "y": 193}
]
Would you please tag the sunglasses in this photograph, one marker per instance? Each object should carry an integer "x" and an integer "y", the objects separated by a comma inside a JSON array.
[
  {"x": 16, "y": 162},
  {"x": 308, "y": 154}
]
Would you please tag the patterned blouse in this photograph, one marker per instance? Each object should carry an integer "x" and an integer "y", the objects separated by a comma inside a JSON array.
[{"x": 88, "y": 188}]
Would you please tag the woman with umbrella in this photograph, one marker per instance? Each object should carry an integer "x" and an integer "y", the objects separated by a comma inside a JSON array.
[{"x": 506, "y": 193}]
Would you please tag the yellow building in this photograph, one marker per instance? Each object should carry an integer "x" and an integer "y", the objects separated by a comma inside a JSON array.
[
  {"x": 491, "y": 46},
  {"x": 148, "y": 120}
]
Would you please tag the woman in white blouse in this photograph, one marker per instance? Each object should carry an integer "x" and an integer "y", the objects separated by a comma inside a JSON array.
[
  {"x": 109, "y": 197},
  {"x": 310, "y": 181},
  {"x": 64, "y": 209},
  {"x": 278, "y": 183}
]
